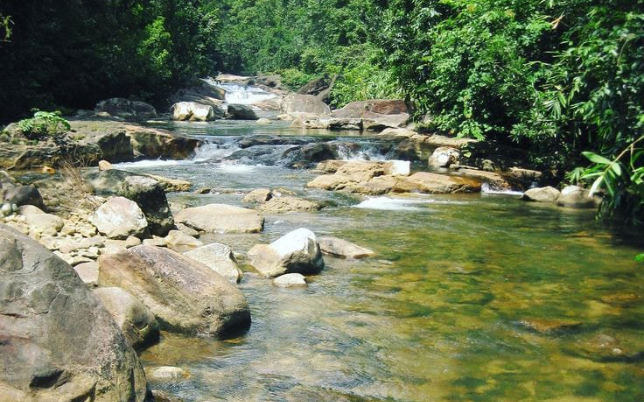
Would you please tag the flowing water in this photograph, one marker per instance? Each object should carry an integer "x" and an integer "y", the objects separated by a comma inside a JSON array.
[{"x": 470, "y": 298}]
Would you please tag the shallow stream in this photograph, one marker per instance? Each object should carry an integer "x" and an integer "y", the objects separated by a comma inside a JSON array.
[{"x": 470, "y": 298}]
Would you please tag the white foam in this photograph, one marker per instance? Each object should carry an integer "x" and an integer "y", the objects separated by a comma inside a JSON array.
[
  {"x": 486, "y": 189},
  {"x": 235, "y": 168},
  {"x": 393, "y": 204},
  {"x": 150, "y": 163}
]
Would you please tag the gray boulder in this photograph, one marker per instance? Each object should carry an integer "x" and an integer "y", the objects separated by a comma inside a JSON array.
[
  {"x": 542, "y": 194},
  {"x": 184, "y": 295},
  {"x": 443, "y": 157},
  {"x": 193, "y": 111},
  {"x": 21, "y": 195},
  {"x": 241, "y": 112},
  {"x": 295, "y": 252},
  {"x": 577, "y": 197},
  {"x": 300, "y": 103},
  {"x": 126, "y": 109},
  {"x": 57, "y": 341},
  {"x": 218, "y": 257},
  {"x": 221, "y": 218},
  {"x": 119, "y": 218},
  {"x": 135, "y": 320},
  {"x": 290, "y": 281}
]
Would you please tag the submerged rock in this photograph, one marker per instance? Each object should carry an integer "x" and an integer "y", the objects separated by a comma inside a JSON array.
[
  {"x": 57, "y": 341},
  {"x": 135, "y": 320},
  {"x": 295, "y": 252},
  {"x": 184, "y": 295},
  {"x": 221, "y": 218},
  {"x": 341, "y": 248},
  {"x": 168, "y": 373}
]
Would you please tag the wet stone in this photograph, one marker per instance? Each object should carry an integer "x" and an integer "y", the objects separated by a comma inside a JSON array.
[{"x": 550, "y": 326}]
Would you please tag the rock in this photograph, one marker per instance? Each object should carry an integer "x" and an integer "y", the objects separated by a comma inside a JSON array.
[
  {"x": 187, "y": 230},
  {"x": 172, "y": 185},
  {"x": 58, "y": 341},
  {"x": 495, "y": 181},
  {"x": 444, "y": 157},
  {"x": 221, "y": 218},
  {"x": 155, "y": 241},
  {"x": 376, "y": 115},
  {"x": 135, "y": 320},
  {"x": 278, "y": 205},
  {"x": 203, "y": 92},
  {"x": 126, "y": 109},
  {"x": 309, "y": 154},
  {"x": 241, "y": 112},
  {"x": 341, "y": 248},
  {"x": 218, "y": 257},
  {"x": 295, "y": 252},
  {"x": 192, "y": 111},
  {"x": 263, "y": 121},
  {"x": 119, "y": 218},
  {"x": 433, "y": 183},
  {"x": 104, "y": 165},
  {"x": 330, "y": 123},
  {"x": 290, "y": 281},
  {"x": 21, "y": 195},
  {"x": 132, "y": 241},
  {"x": 184, "y": 295},
  {"x": 258, "y": 196},
  {"x": 6, "y": 209},
  {"x": 299, "y": 103},
  {"x": 330, "y": 166},
  {"x": 542, "y": 194},
  {"x": 525, "y": 174},
  {"x": 606, "y": 348},
  {"x": 180, "y": 242},
  {"x": 41, "y": 222},
  {"x": 168, "y": 373},
  {"x": 158, "y": 143},
  {"x": 88, "y": 272},
  {"x": 316, "y": 86},
  {"x": 145, "y": 191},
  {"x": 550, "y": 327},
  {"x": 577, "y": 197}
]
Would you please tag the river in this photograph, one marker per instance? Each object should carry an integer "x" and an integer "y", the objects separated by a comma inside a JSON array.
[{"x": 479, "y": 297}]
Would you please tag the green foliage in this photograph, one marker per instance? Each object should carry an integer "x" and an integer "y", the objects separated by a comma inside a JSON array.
[
  {"x": 622, "y": 177},
  {"x": 5, "y": 27},
  {"x": 294, "y": 78},
  {"x": 43, "y": 124}
]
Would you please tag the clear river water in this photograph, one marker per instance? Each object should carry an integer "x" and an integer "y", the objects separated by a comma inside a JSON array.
[{"x": 479, "y": 297}]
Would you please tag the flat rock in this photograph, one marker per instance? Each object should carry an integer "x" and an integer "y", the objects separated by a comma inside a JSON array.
[
  {"x": 88, "y": 272},
  {"x": 295, "y": 252},
  {"x": 218, "y": 257},
  {"x": 180, "y": 242},
  {"x": 341, "y": 248},
  {"x": 221, "y": 218},
  {"x": 135, "y": 320},
  {"x": 258, "y": 196},
  {"x": 434, "y": 183},
  {"x": 58, "y": 341},
  {"x": 119, "y": 218},
  {"x": 278, "y": 205},
  {"x": 184, "y": 295},
  {"x": 290, "y": 281}
]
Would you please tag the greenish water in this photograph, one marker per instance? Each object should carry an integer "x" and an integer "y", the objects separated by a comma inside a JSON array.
[{"x": 470, "y": 298}]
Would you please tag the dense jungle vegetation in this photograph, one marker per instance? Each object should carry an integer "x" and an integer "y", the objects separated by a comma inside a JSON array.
[{"x": 555, "y": 78}]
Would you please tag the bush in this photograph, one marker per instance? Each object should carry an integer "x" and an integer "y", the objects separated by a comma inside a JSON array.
[{"x": 43, "y": 124}]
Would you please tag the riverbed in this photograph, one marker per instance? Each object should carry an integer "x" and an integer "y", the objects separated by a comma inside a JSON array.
[{"x": 479, "y": 297}]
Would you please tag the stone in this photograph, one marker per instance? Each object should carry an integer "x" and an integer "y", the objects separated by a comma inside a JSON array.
[
  {"x": 263, "y": 121},
  {"x": 444, "y": 157},
  {"x": 202, "y": 91},
  {"x": 135, "y": 320},
  {"x": 221, "y": 218},
  {"x": 300, "y": 103},
  {"x": 88, "y": 272},
  {"x": 172, "y": 185},
  {"x": 542, "y": 194},
  {"x": 258, "y": 196},
  {"x": 104, "y": 165},
  {"x": 41, "y": 222},
  {"x": 187, "y": 230},
  {"x": 21, "y": 195},
  {"x": 290, "y": 281},
  {"x": 178, "y": 241},
  {"x": 132, "y": 241},
  {"x": 192, "y": 111},
  {"x": 495, "y": 181},
  {"x": 218, "y": 257},
  {"x": 184, "y": 295},
  {"x": 295, "y": 252},
  {"x": 343, "y": 249},
  {"x": 433, "y": 183},
  {"x": 279, "y": 205},
  {"x": 126, "y": 109},
  {"x": 119, "y": 218},
  {"x": 550, "y": 326},
  {"x": 168, "y": 373},
  {"x": 58, "y": 343},
  {"x": 155, "y": 241},
  {"x": 241, "y": 112},
  {"x": 577, "y": 197}
]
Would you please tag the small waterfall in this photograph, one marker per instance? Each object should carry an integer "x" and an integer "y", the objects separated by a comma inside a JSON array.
[
  {"x": 241, "y": 94},
  {"x": 360, "y": 151}
]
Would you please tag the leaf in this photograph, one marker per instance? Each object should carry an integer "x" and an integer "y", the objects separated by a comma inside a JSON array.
[
  {"x": 593, "y": 157},
  {"x": 639, "y": 257},
  {"x": 616, "y": 168},
  {"x": 596, "y": 184}
]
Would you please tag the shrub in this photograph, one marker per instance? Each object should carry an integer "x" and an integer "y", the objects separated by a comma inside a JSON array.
[{"x": 43, "y": 124}]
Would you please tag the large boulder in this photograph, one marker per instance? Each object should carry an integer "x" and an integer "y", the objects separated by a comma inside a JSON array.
[
  {"x": 202, "y": 91},
  {"x": 299, "y": 103},
  {"x": 221, "y": 218},
  {"x": 542, "y": 194},
  {"x": 21, "y": 195},
  {"x": 184, "y": 295},
  {"x": 126, "y": 109},
  {"x": 377, "y": 114},
  {"x": 147, "y": 192},
  {"x": 444, "y": 157},
  {"x": 135, "y": 320},
  {"x": 432, "y": 183},
  {"x": 193, "y": 111},
  {"x": 241, "y": 112},
  {"x": 218, "y": 257},
  {"x": 57, "y": 341},
  {"x": 342, "y": 249},
  {"x": 316, "y": 86},
  {"x": 577, "y": 197},
  {"x": 295, "y": 252},
  {"x": 119, "y": 218}
]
